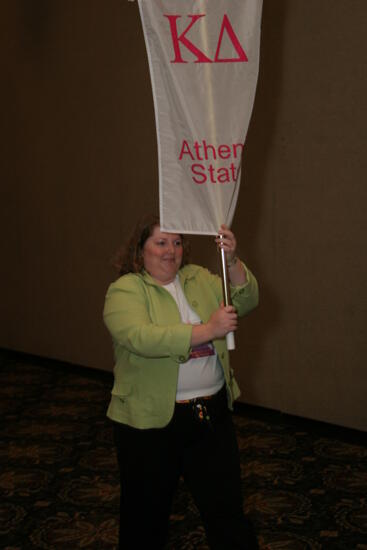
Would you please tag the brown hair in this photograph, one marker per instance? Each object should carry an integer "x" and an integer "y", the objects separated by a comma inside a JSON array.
[{"x": 129, "y": 258}]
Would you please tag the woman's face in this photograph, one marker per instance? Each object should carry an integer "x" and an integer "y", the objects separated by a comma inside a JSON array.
[{"x": 162, "y": 255}]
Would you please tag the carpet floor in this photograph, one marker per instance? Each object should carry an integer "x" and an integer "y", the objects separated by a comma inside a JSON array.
[{"x": 304, "y": 482}]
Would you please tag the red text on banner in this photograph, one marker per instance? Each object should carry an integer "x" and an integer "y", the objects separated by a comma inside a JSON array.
[
  {"x": 201, "y": 57},
  {"x": 213, "y": 171}
]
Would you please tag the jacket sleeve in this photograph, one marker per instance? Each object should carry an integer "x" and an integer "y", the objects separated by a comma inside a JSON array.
[
  {"x": 127, "y": 318},
  {"x": 244, "y": 297}
]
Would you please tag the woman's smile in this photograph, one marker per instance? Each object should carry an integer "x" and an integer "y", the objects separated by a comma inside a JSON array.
[{"x": 162, "y": 255}]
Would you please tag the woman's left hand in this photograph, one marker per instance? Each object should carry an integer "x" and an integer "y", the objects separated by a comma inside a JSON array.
[{"x": 227, "y": 241}]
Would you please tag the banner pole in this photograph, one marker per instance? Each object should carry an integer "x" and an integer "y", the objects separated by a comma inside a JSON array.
[{"x": 226, "y": 294}]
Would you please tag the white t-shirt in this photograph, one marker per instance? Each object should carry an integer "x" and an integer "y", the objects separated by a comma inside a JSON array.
[{"x": 202, "y": 374}]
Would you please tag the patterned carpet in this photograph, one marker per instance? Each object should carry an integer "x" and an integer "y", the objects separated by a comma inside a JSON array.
[{"x": 305, "y": 482}]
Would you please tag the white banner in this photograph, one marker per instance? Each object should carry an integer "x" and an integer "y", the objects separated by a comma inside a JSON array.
[{"x": 204, "y": 59}]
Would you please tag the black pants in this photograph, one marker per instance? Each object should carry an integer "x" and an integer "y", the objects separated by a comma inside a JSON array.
[{"x": 206, "y": 455}]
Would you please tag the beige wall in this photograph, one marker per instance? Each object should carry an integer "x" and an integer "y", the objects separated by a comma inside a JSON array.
[{"x": 80, "y": 166}]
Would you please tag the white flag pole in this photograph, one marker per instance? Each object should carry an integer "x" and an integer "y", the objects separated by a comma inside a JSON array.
[{"x": 226, "y": 295}]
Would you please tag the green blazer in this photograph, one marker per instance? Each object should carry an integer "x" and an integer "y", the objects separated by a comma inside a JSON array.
[{"x": 150, "y": 341}]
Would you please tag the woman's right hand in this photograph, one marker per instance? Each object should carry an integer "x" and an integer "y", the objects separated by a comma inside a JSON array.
[{"x": 222, "y": 321}]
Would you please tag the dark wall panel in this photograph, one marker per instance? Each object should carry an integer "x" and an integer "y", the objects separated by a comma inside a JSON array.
[{"x": 79, "y": 167}]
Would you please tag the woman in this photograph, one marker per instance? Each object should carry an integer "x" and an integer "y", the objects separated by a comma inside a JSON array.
[{"x": 174, "y": 389}]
